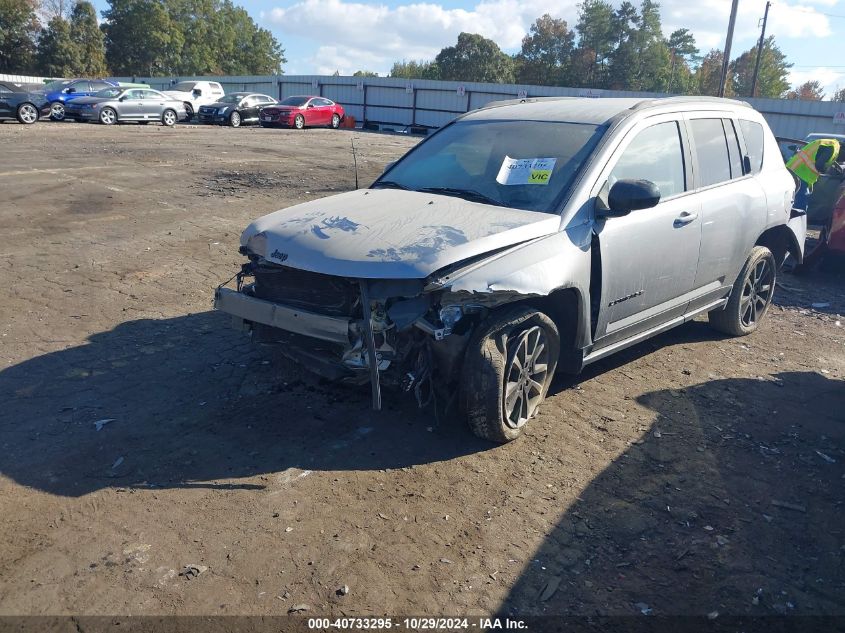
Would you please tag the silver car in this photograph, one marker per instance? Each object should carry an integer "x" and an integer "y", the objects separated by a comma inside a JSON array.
[
  {"x": 114, "y": 105},
  {"x": 523, "y": 238}
]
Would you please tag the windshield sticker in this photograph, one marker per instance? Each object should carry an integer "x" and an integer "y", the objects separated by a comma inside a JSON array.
[{"x": 526, "y": 171}]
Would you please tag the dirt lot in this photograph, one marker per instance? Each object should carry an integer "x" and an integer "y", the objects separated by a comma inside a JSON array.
[{"x": 690, "y": 475}]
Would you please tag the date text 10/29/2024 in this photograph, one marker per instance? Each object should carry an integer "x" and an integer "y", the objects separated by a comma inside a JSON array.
[{"x": 417, "y": 624}]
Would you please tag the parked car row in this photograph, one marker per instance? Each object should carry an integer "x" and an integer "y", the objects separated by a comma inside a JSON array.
[{"x": 109, "y": 102}]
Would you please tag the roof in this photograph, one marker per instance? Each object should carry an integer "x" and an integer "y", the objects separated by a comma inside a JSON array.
[{"x": 585, "y": 109}]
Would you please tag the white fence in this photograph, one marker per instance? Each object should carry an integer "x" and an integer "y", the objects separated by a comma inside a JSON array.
[
  {"x": 423, "y": 104},
  {"x": 24, "y": 79}
]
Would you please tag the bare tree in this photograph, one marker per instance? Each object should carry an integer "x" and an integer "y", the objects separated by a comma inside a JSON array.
[{"x": 49, "y": 9}]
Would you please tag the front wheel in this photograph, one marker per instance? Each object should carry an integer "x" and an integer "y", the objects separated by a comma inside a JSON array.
[
  {"x": 27, "y": 113},
  {"x": 169, "y": 118},
  {"x": 335, "y": 121},
  {"x": 57, "y": 111},
  {"x": 108, "y": 116},
  {"x": 299, "y": 122},
  {"x": 506, "y": 374},
  {"x": 751, "y": 295},
  {"x": 235, "y": 119}
]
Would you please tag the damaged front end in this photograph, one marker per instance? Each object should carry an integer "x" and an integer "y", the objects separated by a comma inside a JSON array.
[{"x": 398, "y": 333}]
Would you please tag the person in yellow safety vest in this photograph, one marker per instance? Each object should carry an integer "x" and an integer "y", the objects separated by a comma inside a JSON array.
[{"x": 808, "y": 164}]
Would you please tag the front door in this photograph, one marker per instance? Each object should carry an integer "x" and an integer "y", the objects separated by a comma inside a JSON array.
[{"x": 649, "y": 257}]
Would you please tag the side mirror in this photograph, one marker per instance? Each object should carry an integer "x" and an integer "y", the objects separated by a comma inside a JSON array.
[
  {"x": 123, "y": 98},
  {"x": 197, "y": 92},
  {"x": 630, "y": 195},
  {"x": 70, "y": 90}
]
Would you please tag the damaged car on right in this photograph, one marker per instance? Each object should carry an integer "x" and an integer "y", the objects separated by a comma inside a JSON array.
[{"x": 523, "y": 238}]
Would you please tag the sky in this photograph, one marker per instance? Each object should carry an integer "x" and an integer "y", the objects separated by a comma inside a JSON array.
[{"x": 324, "y": 36}]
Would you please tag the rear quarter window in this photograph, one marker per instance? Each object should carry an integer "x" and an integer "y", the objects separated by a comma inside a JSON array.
[{"x": 753, "y": 134}]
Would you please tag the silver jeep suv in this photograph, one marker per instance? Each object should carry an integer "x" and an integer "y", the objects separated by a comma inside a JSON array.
[{"x": 523, "y": 238}]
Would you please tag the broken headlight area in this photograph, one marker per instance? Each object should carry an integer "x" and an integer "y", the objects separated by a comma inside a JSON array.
[{"x": 385, "y": 332}]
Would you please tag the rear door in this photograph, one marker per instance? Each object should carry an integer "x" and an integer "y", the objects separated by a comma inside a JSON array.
[
  {"x": 733, "y": 204},
  {"x": 649, "y": 257}
]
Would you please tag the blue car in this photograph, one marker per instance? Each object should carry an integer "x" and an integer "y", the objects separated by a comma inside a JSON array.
[{"x": 62, "y": 90}]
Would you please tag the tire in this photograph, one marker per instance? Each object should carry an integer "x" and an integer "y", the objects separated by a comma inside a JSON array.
[
  {"x": 27, "y": 113},
  {"x": 189, "y": 110},
  {"x": 751, "y": 295},
  {"x": 235, "y": 119},
  {"x": 299, "y": 122},
  {"x": 335, "y": 121},
  {"x": 108, "y": 116},
  {"x": 169, "y": 118},
  {"x": 490, "y": 370},
  {"x": 263, "y": 125},
  {"x": 57, "y": 111}
]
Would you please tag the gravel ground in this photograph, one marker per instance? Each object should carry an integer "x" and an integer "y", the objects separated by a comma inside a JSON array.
[{"x": 140, "y": 434}]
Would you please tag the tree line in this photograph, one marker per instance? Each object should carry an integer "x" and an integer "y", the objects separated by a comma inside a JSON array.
[
  {"x": 615, "y": 49},
  {"x": 62, "y": 38}
]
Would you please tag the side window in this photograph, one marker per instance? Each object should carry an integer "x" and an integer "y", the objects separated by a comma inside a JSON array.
[
  {"x": 216, "y": 88},
  {"x": 96, "y": 86},
  {"x": 753, "y": 134},
  {"x": 656, "y": 154},
  {"x": 734, "y": 151},
  {"x": 134, "y": 94},
  {"x": 711, "y": 147}
]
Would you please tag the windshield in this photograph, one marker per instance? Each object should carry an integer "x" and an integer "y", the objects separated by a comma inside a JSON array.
[
  {"x": 295, "y": 101},
  {"x": 518, "y": 164},
  {"x": 184, "y": 86},
  {"x": 110, "y": 93},
  {"x": 53, "y": 86},
  {"x": 230, "y": 99}
]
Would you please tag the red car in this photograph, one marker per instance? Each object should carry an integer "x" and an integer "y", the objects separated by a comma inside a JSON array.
[{"x": 301, "y": 112}]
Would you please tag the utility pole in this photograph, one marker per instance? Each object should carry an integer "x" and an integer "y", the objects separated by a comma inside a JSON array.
[
  {"x": 727, "y": 60},
  {"x": 759, "y": 51}
]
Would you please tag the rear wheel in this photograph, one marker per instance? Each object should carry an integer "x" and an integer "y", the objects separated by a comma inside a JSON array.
[
  {"x": 57, "y": 111},
  {"x": 235, "y": 119},
  {"x": 751, "y": 295},
  {"x": 108, "y": 116},
  {"x": 169, "y": 118},
  {"x": 299, "y": 122},
  {"x": 27, "y": 113},
  {"x": 507, "y": 371},
  {"x": 335, "y": 121}
]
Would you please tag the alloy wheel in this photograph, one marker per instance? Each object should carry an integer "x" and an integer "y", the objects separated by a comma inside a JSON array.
[
  {"x": 756, "y": 293},
  {"x": 107, "y": 116},
  {"x": 57, "y": 111},
  {"x": 168, "y": 118},
  {"x": 526, "y": 375},
  {"x": 235, "y": 119},
  {"x": 28, "y": 113}
]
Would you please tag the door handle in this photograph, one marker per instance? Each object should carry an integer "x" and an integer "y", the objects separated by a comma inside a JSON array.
[{"x": 685, "y": 218}]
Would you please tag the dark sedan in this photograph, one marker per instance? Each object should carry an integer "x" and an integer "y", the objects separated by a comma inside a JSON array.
[
  {"x": 235, "y": 109},
  {"x": 301, "y": 112},
  {"x": 18, "y": 103}
]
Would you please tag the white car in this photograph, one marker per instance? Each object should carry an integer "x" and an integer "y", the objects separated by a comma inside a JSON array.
[{"x": 195, "y": 94}]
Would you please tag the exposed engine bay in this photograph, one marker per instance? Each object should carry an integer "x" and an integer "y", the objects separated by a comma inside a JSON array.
[{"x": 394, "y": 333}]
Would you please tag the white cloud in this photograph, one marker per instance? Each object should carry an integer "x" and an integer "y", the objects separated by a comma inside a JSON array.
[
  {"x": 354, "y": 35},
  {"x": 831, "y": 79}
]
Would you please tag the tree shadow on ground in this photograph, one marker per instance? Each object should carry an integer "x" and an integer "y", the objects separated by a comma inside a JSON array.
[
  {"x": 728, "y": 504},
  {"x": 188, "y": 402}
]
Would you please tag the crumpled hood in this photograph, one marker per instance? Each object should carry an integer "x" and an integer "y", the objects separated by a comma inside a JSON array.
[{"x": 389, "y": 233}]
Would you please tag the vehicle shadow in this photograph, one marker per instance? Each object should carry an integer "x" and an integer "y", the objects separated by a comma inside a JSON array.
[
  {"x": 729, "y": 504},
  {"x": 688, "y": 333},
  {"x": 817, "y": 290},
  {"x": 189, "y": 402}
]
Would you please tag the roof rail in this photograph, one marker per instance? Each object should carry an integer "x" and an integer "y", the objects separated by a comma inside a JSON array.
[{"x": 648, "y": 103}]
